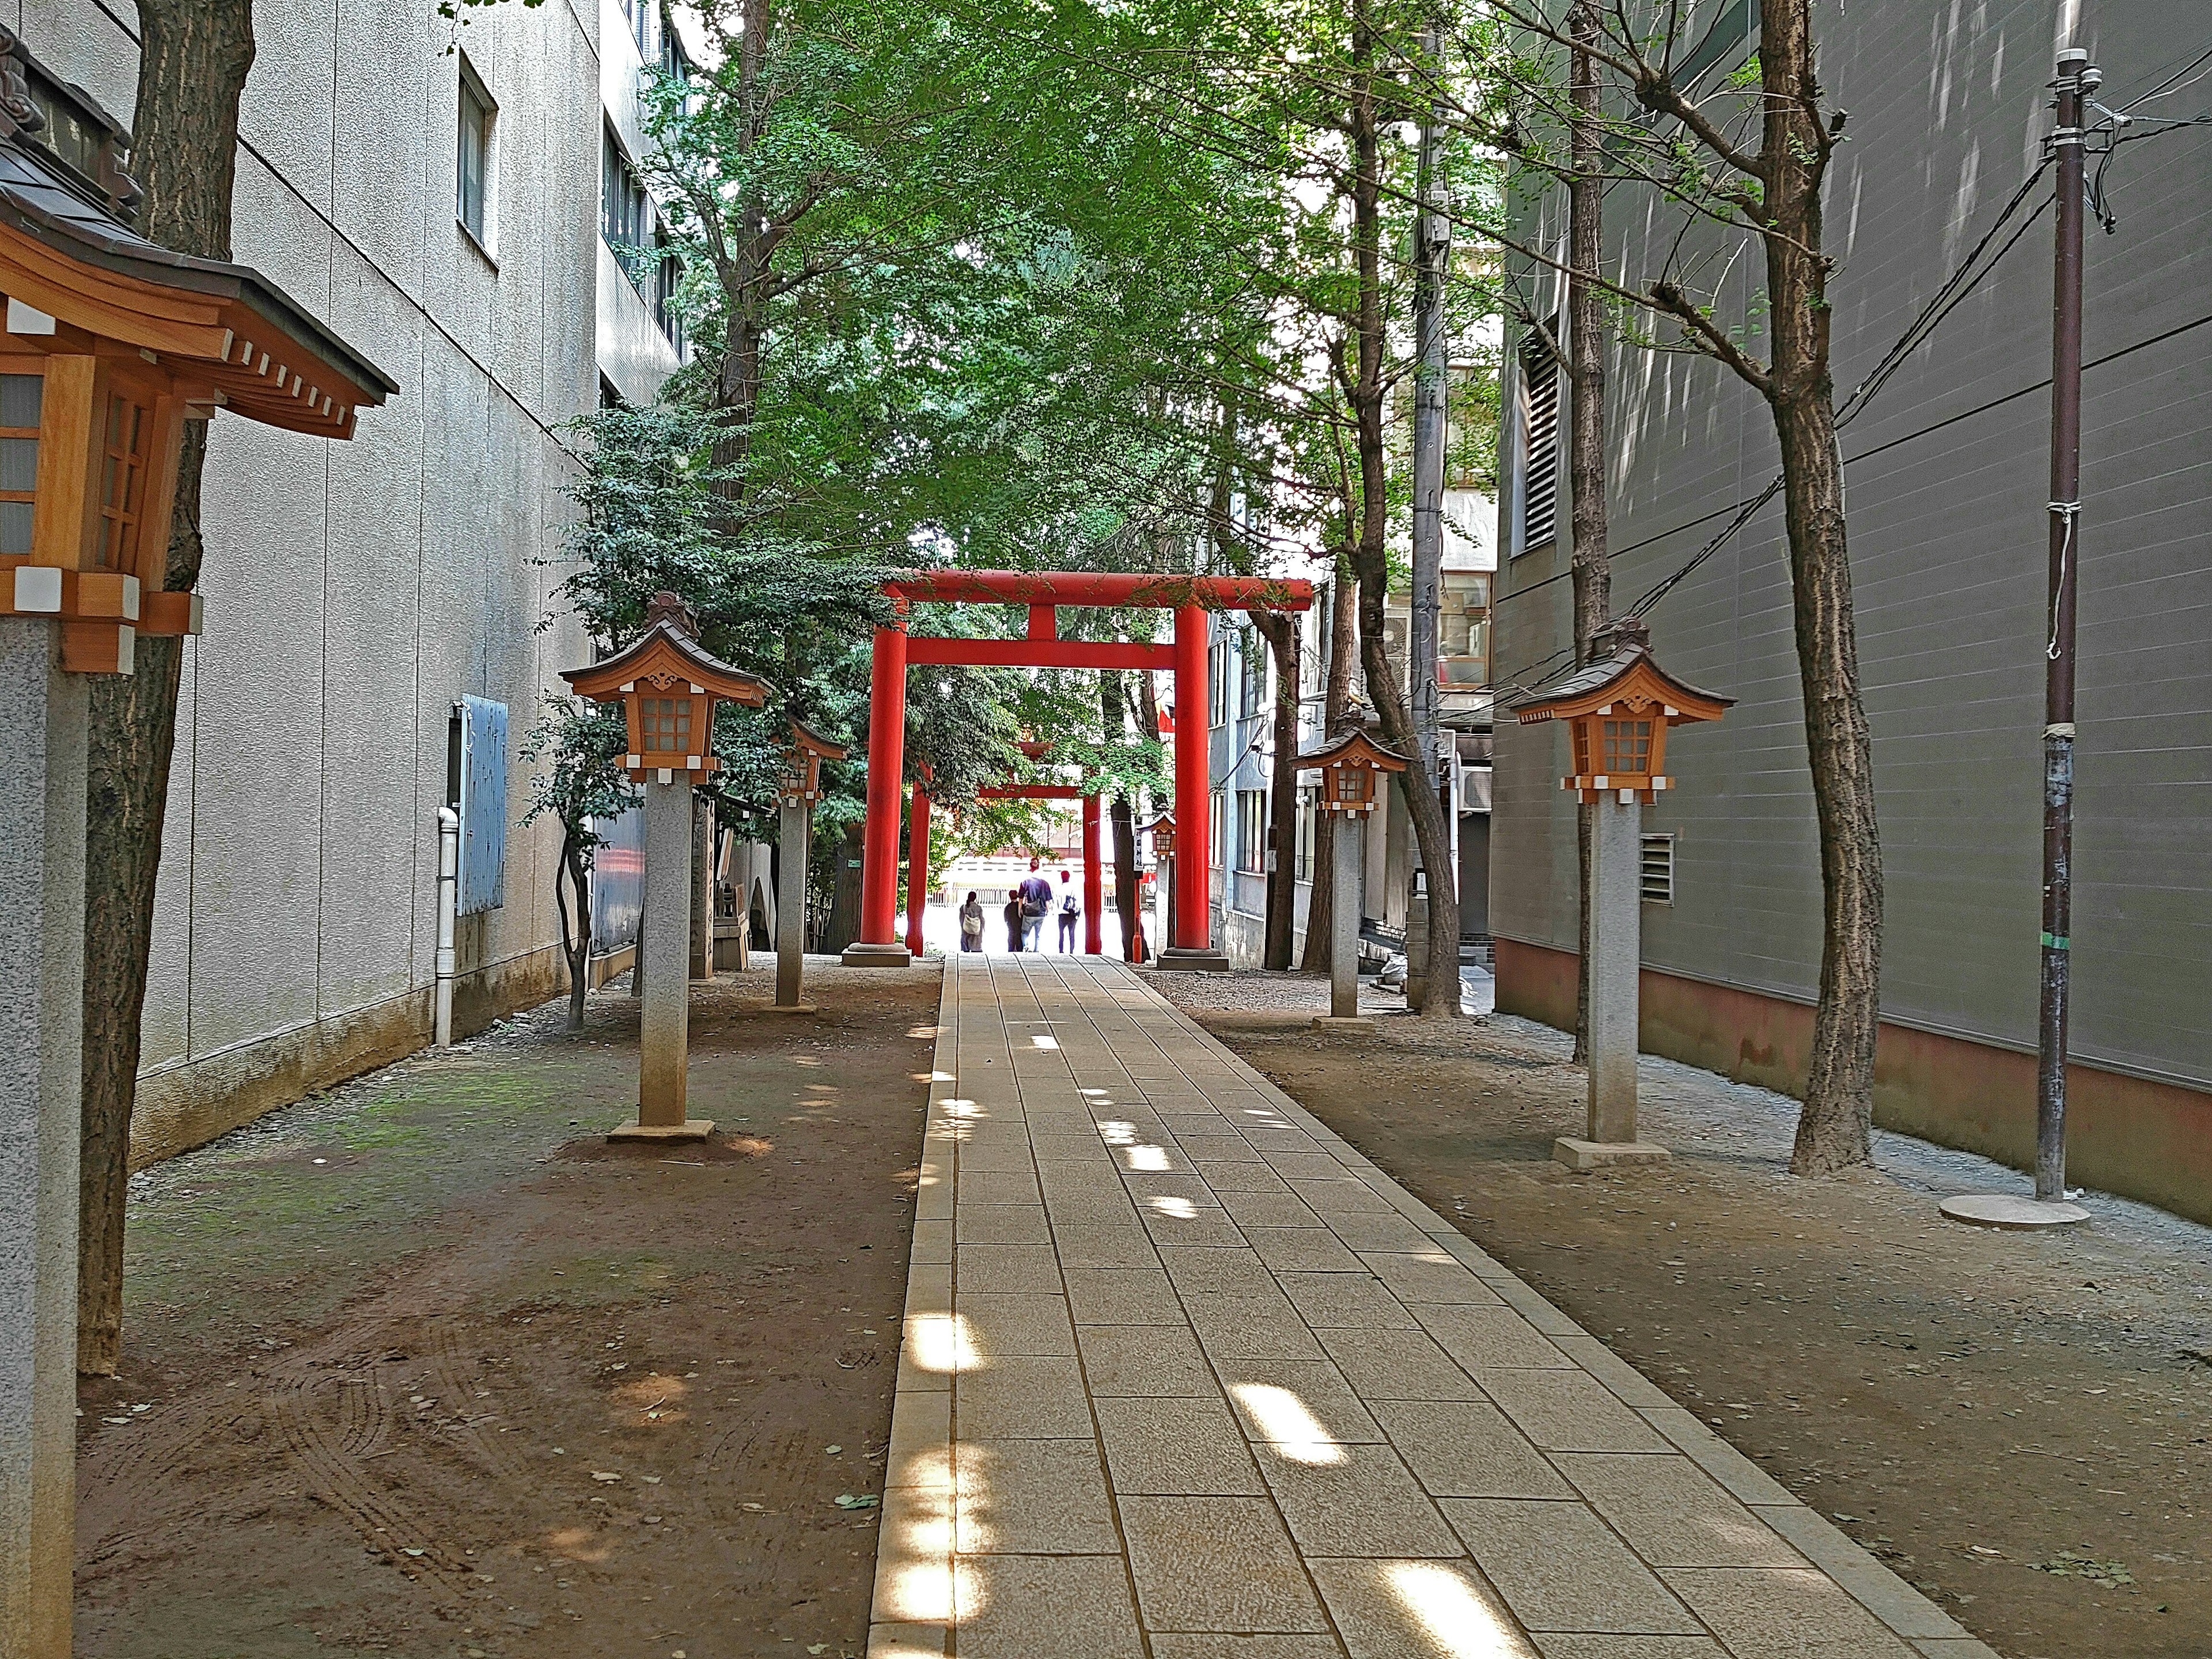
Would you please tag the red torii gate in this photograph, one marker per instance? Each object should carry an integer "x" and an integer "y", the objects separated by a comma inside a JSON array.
[{"x": 1043, "y": 592}]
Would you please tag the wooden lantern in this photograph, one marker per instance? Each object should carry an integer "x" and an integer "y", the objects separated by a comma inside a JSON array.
[
  {"x": 1352, "y": 769},
  {"x": 111, "y": 345},
  {"x": 1619, "y": 710},
  {"x": 1162, "y": 830},
  {"x": 802, "y": 765},
  {"x": 668, "y": 688}
]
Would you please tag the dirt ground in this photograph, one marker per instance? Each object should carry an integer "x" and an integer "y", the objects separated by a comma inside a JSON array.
[
  {"x": 2021, "y": 1426},
  {"x": 422, "y": 1366}
]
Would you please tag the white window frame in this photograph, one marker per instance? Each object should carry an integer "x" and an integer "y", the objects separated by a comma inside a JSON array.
[{"x": 483, "y": 121}]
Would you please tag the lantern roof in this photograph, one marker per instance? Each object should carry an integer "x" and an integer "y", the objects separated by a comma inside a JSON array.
[
  {"x": 805, "y": 737},
  {"x": 1354, "y": 749},
  {"x": 1165, "y": 818},
  {"x": 67, "y": 251},
  {"x": 668, "y": 652},
  {"x": 1628, "y": 673}
]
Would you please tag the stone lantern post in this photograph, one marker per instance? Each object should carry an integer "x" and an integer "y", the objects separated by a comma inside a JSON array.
[
  {"x": 668, "y": 686},
  {"x": 801, "y": 788},
  {"x": 1618, "y": 711},
  {"x": 111, "y": 345},
  {"x": 1351, "y": 773}
]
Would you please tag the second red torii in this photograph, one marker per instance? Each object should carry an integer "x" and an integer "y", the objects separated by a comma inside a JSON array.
[{"x": 1043, "y": 592}]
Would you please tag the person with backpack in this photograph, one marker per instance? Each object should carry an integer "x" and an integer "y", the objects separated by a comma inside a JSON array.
[
  {"x": 1070, "y": 909},
  {"x": 1035, "y": 894},
  {"x": 971, "y": 926}
]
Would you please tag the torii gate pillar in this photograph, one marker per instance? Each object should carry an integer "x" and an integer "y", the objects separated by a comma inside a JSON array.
[
  {"x": 878, "y": 945},
  {"x": 1193, "y": 948}
]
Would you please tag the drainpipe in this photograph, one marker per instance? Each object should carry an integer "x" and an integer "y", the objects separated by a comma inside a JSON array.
[{"x": 449, "y": 869}]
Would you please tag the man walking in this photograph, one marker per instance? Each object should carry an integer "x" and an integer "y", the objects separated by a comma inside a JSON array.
[{"x": 1036, "y": 898}]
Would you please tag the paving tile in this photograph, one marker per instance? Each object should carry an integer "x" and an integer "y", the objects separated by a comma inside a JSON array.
[
  {"x": 914, "y": 1556},
  {"x": 1145, "y": 1359},
  {"x": 906, "y": 1641},
  {"x": 1102, "y": 1246},
  {"x": 1342, "y": 1500},
  {"x": 1419, "y": 1610},
  {"x": 1629, "y": 1647},
  {"x": 1737, "y": 1473},
  {"x": 977, "y": 1156},
  {"x": 1007, "y": 1268},
  {"x": 1567, "y": 1411},
  {"x": 1868, "y": 1582},
  {"x": 1202, "y": 1270},
  {"x": 1560, "y": 1568},
  {"x": 1397, "y": 1365},
  {"x": 1302, "y": 1249},
  {"x": 1030, "y": 1497},
  {"x": 1185, "y": 1447},
  {"x": 920, "y": 1449},
  {"x": 1486, "y": 1338},
  {"x": 1003, "y": 1324},
  {"x": 1778, "y": 1614},
  {"x": 1337, "y": 1193},
  {"x": 1250, "y": 1325},
  {"x": 997, "y": 1187},
  {"x": 1223, "y": 1147},
  {"x": 1364, "y": 1229},
  {"x": 1297, "y": 1401},
  {"x": 1304, "y": 1165},
  {"x": 929, "y": 1288},
  {"x": 1628, "y": 1384},
  {"x": 1124, "y": 1296},
  {"x": 1534, "y": 1309},
  {"x": 1173, "y": 1223},
  {"x": 1038, "y": 1398},
  {"x": 1186, "y": 1119},
  {"x": 1429, "y": 1275},
  {"x": 1190, "y": 1188},
  {"x": 1216, "y": 1564},
  {"x": 1284, "y": 1142},
  {"x": 932, "y": 1242},
  {"x": 1468, "y": 1449},
  {"x": 1000, "y": 1224},
  {"x": 1673, "y": 1515},
  {"x": 1229, "y": 1176},
  {"x": 1245, "y": 1647},
  {"x": 1022, "y": 1606},
  {"x": 1151, "y": 1157},
  {"x": 1281, "y": 1209},
  {"x": 1355, "y": 1301}
]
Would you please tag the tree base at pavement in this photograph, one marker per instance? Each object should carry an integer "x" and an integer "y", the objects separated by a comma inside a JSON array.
[
  {"x": 876, "y": 956},
  {"x": 1181, "y": 959},
  {"x": 1583, "y": 1156},
  {"x": 692, "y": 1129},
  {"x": 2012, "y": 1214}
]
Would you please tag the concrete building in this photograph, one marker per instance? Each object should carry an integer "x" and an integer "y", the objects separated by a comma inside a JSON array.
[
  {"x": 1947, "y": 502},
  {"x": 445, "y": 196}
]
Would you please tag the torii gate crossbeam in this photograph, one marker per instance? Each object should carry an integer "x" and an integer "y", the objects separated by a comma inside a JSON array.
[{"x": 1043, "y": 592}]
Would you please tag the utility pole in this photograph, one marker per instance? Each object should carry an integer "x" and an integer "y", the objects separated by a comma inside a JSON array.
[
  {"x": 2076, "y": 81},
  {"x": 1432, "y": 255}
]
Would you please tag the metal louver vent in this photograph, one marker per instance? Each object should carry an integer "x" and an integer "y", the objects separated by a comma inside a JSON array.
[
  {"x": 1539, "y": 485},
  {"x": 1658, "y": 870}
]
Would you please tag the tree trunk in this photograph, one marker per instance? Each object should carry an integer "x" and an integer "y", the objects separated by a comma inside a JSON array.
[
  {"x": 1591, "y": 564},
  {"x": 1280, "y": 629},
  {"x": 1432, "y": 834},
  {"x": 1336, "y": 717},
  {"x": 1834, "y": 1128},
  {"x": 194, "y": 56}
]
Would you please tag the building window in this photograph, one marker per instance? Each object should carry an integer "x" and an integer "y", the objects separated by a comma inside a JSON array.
[
  {"x": 1539, "y": 444},
  {"x": 1217, "y": 679},
  {"x": 1463, "y": 629},
  {"x": 1218, "y": 831},
  {"x": 675, "y": 61},
  {"x": 1303, "y": 835},
  {"x": 1658, "y": 873},
  {"x": 636, "y": 234},
  {"x": 1251, "y": 830},
  {"x": 22, "y": 397},
  {"x": 1252, "y": 685},
  {"x": 473, "y": 190}
]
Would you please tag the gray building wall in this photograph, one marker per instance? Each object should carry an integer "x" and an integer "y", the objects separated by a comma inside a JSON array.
[
  {"x": 355, "y": 590},
  {"x": 1948, "y": 486}
]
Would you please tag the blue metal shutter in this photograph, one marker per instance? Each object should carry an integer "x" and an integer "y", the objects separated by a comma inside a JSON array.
[{"x": 483, "y": 805}]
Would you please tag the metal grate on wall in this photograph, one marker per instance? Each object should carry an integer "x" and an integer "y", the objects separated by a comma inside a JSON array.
[
  {"x": 1540, "y": 486},
  {"x": 1658, "y": 869}
]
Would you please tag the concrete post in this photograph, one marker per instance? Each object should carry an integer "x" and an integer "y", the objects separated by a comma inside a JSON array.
[
  {"x": 449, "y": 870},
  {"x": 1616, "y": 956},
  {"x": 1348, "y": 870},
  {"x": 664, "y": 958},
  {"x": 791, "y": 905},
  {"x": 703, "y": 890},
  {"x": 42, "y": 780}
]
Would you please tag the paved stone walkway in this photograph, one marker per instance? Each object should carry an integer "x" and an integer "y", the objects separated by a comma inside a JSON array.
[{"x": 1186, "y": 1377}]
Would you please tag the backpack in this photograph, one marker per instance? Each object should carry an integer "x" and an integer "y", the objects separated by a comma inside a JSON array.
[
  {"x": 1067, "y": 907},
  {"x": 1034, "y": 896}
]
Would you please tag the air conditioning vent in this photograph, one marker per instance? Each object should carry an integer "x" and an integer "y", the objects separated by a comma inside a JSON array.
[{"x": 1658, "y": 873}]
